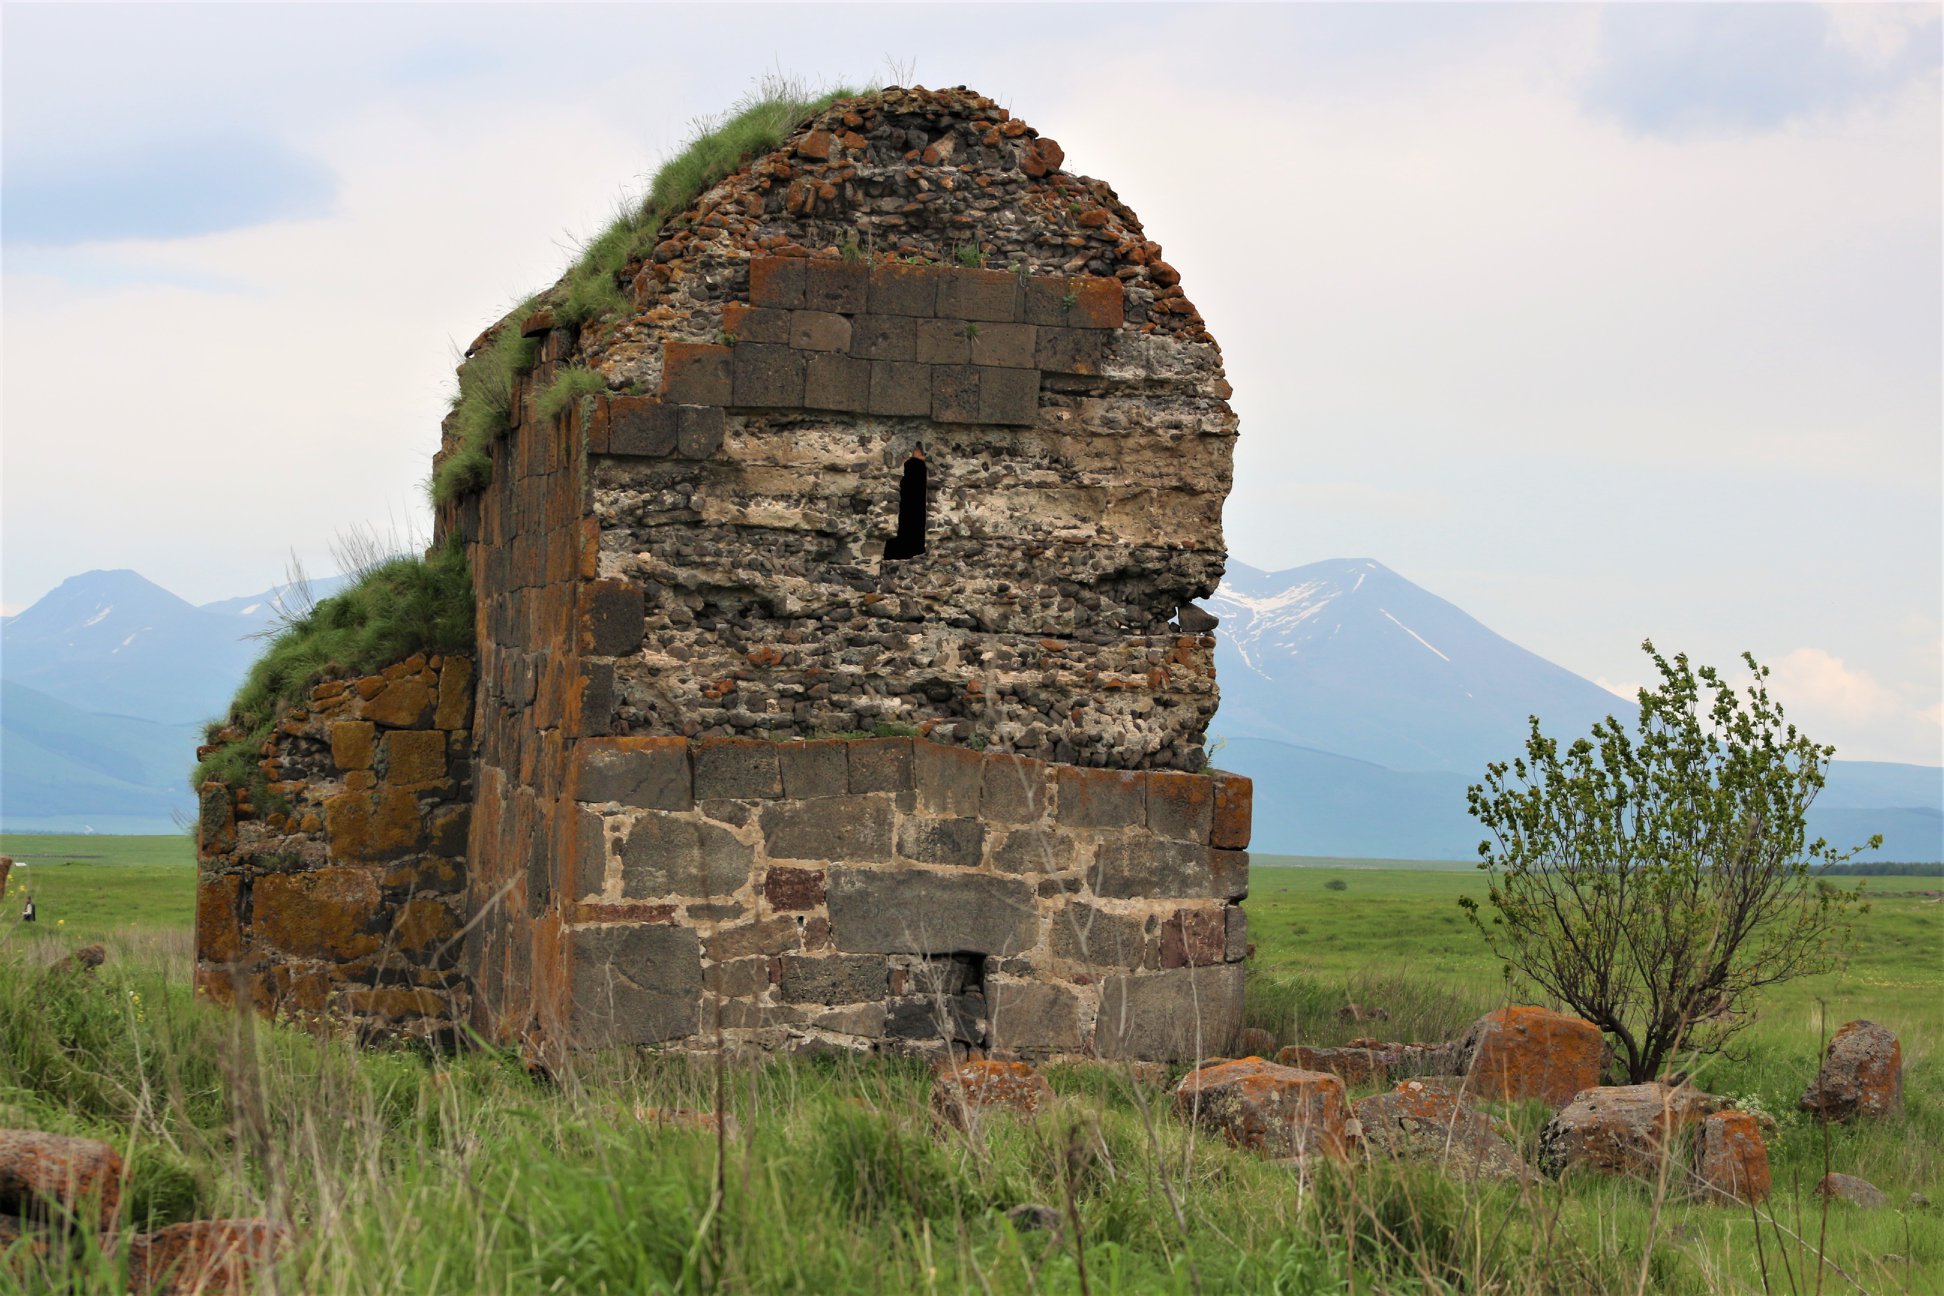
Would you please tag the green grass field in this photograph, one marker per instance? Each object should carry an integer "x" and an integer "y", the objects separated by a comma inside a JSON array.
[{"x": 408, "y": 1174}]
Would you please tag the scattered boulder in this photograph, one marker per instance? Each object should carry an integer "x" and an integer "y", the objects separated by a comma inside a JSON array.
[
  {"x": 1526, "y": 1052},
  {"x": 1851, "y": 1189},
  {"x": 1622, "y": 1130},
  {"x": 1266, "y": 1107},
  {"x": 1030, "y": 1216},
  {"x": 1861, "y": 1075},
  {"x": 961, "y": 1096},
  {"x": 1730, "y": 1159},
  {"x": 85, "y": 959},
  {"x": 204, "y": 1258},
  {"x": 45, "y": 1177},
  {"x": 1255, "y": 1042},
  {"x": 1353, "y": 1065},
  {"x": 1416, "y": 1122}
]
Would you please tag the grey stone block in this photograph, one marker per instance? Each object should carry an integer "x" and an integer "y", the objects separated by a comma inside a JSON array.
[
  {"x": 1186, "y": 1014},
  {"x": 813, "y": 330},
  {"x": 736, "y": 767},
  {"x": 1098, "y": 798},
  {"x": 1083, "y": 933},
  {"x": 777, "y": 282},
  {"x": 942, "y": 841},
  {"x": 738, "y": 978},
  {"x": 676, "y": 855},
  {"x": 900, "y": 390},
  {"x": 695, "y": 373},
  {"x": 978, "y": 295},
  {"x": 635, "y": 985},
  {"x": 642, "y": 427},
  {"x": 1034, "y": 1018},
  {"x": 839, "y": 286},
  {"x": 1146, "y": 867},
  {"x": 832, "y": 978},
  {"x": 615, "y": 612},
  {"x": 814, "y": 768},
  {"x": 904, "y": 290},
  {"x": 1237, "y": 947},
  {"x": 1046, "y": 301},
  {"x": 591, "y": 853},
  {"x": 699, "y": 433},
  {"x": 1009, "y": 396},
  {"x": 837, "y": 382},
  {"x": 650, "y": 778},
  {"x": 1005, "y": 346},
  {"x": 766, "y": 936},
  {"x": 863, "y": 1020},
  {"x": 884, "y": 337},
  {"x": 1015, "y": 789},
  {"x": 880, "y": 765},
  {"x": 1034, "y": 850},
  {"x": 957, "y": 1018},
  {"x": 1180, "y": 807},
  {"x": 906, "y": 911},
  {"x": 1230, "y": 871},
  {"x": 1070, "y": 351},
  {"x": 764, "y": 324},
  {"x": 948, "y": 779},
  {"x": 955, "y": 394},
  {"x": 768, "y": 377},
  {"x": 832, "y": 828},
  {"x": 943, "y": 342}
]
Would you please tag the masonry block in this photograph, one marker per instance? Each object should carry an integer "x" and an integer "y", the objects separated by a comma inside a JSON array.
[
  {"x": 789, "y": 889},
  {"x": 1033, "y": 1018},
  {"x": 635, "y": 985},
  {"x": 838, "y": 286},
  {"x": 646, "y": 773},
  {"x": 1180, "y": 806},
  {"x": 905, "y": 911},
  {"x": 756, "y": 324},
  {"x": 736, "y": 768},
  {"x": 1070, "y": 351},
  {"x": 1013, "y": 789},
  {"x": 699, "y": 431},
  {"x": 814, "y": 768},
  {"x": 639, "y": 426},
  {"x": 942, "y": 342},
  {"x": 776, "y": 282},
  {"x": 1234, "y": 811},
  {"x": 900, "y": 390},
  {"x": 677, "y": 854},
  {"x": 884, "y": 337},
  {"x": 978, "y": 295},
  {"x": 1140, "y": 866},
  {"x": 1008, "y": 396},
  {"x": 904, "y": 290},
  {"x": 694, "y": 373},
  {"x": 837, "y": 382},
  {"x": 1180, "y": 1013},
  {"x": 832, "y": 978},
  {"x": 955, "y": 394},
  {"x": 948, "y": 779},
  {"x": 612, "y": 613},
  {"x": 1005, "y": 346},
  {"x": 958, "y": 841},
  {"x": 767, "y": 377},
  {"x": 1100, "y": 798},
  {"x": 812, "y": 330},
  {"x": 834, "y": 828},
  {"x": 880, "y": 765}
]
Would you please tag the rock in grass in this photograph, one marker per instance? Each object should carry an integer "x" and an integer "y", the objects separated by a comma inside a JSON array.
[
  {"x": 1416, "y": 1122},
  {"x": 1031, "y": 1216},
  {"x": 44, "y": 1177},
  {"x": 1861, "y": 1075},
  {"x": 85, "y": 959},
  {"x": 204, "y": 1258},
  {"x": 1265, "y": 1107},
  {"x": 1622, "y": 1129},
  {"x": 1730, "y": 1159},
  {"x": 1525, "y": 1052},
  {"x": 962, "y": 1095},
  {"x": 1851, "y": 1189}
]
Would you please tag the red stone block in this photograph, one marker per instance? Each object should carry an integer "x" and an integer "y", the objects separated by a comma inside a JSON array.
[
  {"x": 1525, "y": 1052},
  {"x": 695, "y": 373}
]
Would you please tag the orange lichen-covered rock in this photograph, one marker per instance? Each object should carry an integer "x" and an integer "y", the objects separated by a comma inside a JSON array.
[
  {"x": 1730, "y": 1160},
  {"x": 1417, "y": 1122},
  {"x": 1354, "y": 1066},
  {"x": 962, "y": 1095},
  {"x": 1623, "y": 1129},
  {"x": 1525, "y": 1052},
  {"x": 1270, "y": 1108},
  {"x": 206, "y": 1258},
  {"x": 50, "y": 1176},
  {"x": 1861, "y": 1075}
]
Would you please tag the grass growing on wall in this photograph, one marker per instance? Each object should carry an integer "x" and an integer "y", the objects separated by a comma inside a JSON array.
[
  {"x": 394, "y": 608},
  {"x": 592, "y": 289}
]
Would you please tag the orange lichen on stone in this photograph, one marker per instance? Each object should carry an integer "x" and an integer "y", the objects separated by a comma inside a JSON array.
[
  {"x": 1861, "y": 1074},
  {"x": 1524, "y": 1052},
  {"x": 1266, "y": 1107},
  {"x": 206, "y": 1257},
  {"x": 961, "y": 1096},
  {"x": 50, "y": 1177},
  {"x": 327, "y": 913},
  {"x": 1730, "y": 1159}
]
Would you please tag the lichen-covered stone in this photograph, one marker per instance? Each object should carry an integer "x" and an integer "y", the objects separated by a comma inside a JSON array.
[
  {"x": 1849, "y": 1188},
  {"x": 51, "y": 1177},
  {"x": 1623, "y": 1130},
  {"x": 204, "y": 1257},
  {"x": 963, "y": 1096},
  {"x": 1265, "y": 1107},
  {"x": 1526, "y": 1052},
  {"x": 1417, "y": 1122},
  {"x": 1730, "y": 1160},
  {"x": 1861, "y": 1075}
]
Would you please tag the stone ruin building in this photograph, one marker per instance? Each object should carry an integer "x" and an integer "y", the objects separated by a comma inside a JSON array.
[{"x": 837, "y": 680}]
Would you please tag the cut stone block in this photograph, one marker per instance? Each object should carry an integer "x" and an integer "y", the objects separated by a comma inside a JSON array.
[
  {"x": 906, "y": 911},
  {"x": 1265, "y": 1107}
]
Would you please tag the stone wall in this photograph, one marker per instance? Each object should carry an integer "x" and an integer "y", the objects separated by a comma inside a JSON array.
[
  {"x": 904, "y": 895},
  {"x": 343, "y": 895}
]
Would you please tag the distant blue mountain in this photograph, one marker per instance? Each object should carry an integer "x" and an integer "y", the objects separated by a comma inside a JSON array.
[
  {"x": 1369, "y": 704},
  {"x": 108, "y": 680}
]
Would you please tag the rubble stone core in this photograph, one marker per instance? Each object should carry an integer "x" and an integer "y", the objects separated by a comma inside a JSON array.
[{"x": 688, "y": 626}]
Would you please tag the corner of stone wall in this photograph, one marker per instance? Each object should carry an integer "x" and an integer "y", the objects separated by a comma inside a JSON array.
[{"x": 340, "y": 901}]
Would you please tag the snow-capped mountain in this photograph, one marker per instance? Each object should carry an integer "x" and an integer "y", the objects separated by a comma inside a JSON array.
[{"x": 1348, "y": 657}]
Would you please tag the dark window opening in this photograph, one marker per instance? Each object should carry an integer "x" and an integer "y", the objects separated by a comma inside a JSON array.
[{"x": 910, "y": 540}]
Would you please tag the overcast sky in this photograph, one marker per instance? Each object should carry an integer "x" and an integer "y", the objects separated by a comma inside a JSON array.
[{"x": 1601, "y": 323}]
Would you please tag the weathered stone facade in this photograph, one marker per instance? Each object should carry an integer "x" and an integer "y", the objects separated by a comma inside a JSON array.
[
  {"x": 688, "y": 622},
  {"x": 343, "y": 898}
]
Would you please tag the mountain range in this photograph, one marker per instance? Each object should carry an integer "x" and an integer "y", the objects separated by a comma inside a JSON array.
[
  {"x": 1370, "y": 704},
  {"x": 1366, "y": 702}
]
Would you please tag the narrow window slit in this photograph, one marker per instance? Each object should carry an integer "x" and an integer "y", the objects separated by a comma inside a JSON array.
[{"x": 910, "y": 540}]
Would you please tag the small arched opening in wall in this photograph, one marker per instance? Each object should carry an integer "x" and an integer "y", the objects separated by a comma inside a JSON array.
[{"x": 909, "y": 542}]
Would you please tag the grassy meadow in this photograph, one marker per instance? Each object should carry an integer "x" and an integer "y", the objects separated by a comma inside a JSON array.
[{"x": 403, "y": 1173}]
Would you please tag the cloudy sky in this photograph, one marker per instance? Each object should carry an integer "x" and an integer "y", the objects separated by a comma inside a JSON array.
[{"x": 1601, "y": 322}]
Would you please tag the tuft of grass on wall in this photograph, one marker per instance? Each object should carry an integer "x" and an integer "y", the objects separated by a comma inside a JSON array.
[
  {"x": 395, "y": 608},
  {"x": 483, "y": 406},
  {"x": 567, "y": 390}
]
